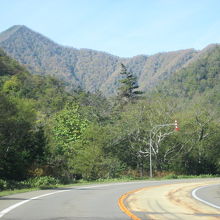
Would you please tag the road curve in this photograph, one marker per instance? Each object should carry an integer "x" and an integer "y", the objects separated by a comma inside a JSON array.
[
  {"x": 174, "y": 202},
  {"x": 91, "y": 202},
  {"x": 209, "y": 195}
]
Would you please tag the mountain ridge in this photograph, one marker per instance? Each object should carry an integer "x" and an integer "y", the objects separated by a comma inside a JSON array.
[{"x": 89, "y": 69}]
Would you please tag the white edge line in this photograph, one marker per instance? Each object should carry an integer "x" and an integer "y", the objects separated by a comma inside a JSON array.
[
  {"x": 204, "y": 201},
  {"x": 10, "y": 208}
]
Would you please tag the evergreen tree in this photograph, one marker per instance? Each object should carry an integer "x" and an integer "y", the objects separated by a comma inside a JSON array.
[{"x": 128, "y": 90}]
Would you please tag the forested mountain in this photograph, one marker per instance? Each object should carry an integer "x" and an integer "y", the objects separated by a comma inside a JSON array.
[
  {"x": 88, "y": 69},
  {"x": 201, "y": 78}
]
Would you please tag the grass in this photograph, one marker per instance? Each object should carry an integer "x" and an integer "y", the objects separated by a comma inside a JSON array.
[
  {"x": 100, "y": 181},
  {"x": 174, "y": 176},
  {"x": 11, "y": 192}
]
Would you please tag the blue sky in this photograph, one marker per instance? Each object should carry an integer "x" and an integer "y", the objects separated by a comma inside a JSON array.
[{"x": 121, "y": 27}]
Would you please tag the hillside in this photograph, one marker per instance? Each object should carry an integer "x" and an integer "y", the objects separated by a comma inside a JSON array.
[
  {"x": 200, "y": 77},
  {"x": 88, "y": 69}
]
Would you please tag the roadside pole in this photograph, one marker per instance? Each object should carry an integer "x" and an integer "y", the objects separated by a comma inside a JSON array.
[
  {"x": 150, "y": 150},
  {"x": 151, "y": 173}
]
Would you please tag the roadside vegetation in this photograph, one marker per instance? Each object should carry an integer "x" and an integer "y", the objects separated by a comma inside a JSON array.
[
  {"x": 41, "y": 183},
  {"x": 50, "y": 136}
]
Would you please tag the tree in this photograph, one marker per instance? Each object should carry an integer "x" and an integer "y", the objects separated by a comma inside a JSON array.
[
  {"x": 91, "y": 162},
  {"x": 65, "y": 129},
  {"x": 19, "y": 137},
  {"x": 128, "y": 90},
  {"x": 199, "y": 135},
  {"x": 68, "y": 126}
]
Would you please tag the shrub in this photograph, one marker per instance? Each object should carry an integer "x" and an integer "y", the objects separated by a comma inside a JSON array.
[
  {"x": 171, "y": 176},
  {"x": 3, "y": 184},
  {"x": 37, "y": 182},
  {"x": 43, "y": 181}
]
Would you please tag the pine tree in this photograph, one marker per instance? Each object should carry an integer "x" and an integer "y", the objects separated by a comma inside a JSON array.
[{"x": 128, "y": 90}]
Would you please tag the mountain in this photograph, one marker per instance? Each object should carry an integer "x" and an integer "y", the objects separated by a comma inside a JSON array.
[
  {"x": 199, "y": 78},
  {"x": 89, "y": 69}
]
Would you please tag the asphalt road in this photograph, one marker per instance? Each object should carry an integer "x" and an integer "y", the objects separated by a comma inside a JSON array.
[
  {"x": 93, "y": 202},
  {"x": 209, "y": 195}
]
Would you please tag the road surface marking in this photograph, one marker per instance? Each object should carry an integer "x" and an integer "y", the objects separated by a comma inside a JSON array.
[
  {"x": 204, "y": 201},
  {"x": 10, "y": 208},
  {"x": 123, "y": 207}
]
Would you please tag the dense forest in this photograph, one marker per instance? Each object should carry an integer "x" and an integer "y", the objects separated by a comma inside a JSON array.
[{"x": 69, "y": 135}]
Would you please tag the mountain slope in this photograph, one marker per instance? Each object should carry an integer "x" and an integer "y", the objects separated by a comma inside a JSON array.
[
  {"x": 88, "y": 69},
  {"x": 9, "y": 66},
  {"x": 200, "y": 78}
]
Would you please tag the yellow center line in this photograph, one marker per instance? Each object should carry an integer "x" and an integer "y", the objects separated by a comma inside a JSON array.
[{"x": 124, "y": 208}]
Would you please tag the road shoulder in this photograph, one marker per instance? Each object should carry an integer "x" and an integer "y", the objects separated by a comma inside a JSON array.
[{"x": 171, "y": 201}]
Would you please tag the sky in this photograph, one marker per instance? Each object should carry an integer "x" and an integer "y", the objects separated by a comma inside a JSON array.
[{"x": 123, "y": 28}]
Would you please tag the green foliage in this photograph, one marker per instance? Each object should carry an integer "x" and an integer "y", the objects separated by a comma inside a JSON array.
[
  {"x": 94, "y": 107},
  {"x": 49, "y": 135},
  {"x": 90, "y": 160},
  {"x": 3, "y": 185},
  {"x": 171, "y": 176},
  {"x": 23, "y": 117},
  {"x": 17, "y": 136},
  {"x": 127, "y": 91},
  {"x": 197, "y": 78},
  {"x": 65, "y": 129},
  {"x": 37, "y": 182},
  {"x": 12, "y": 86},
  {"x": 43, "y": 182},
  {"x": 9, "y": 66},
  {"x": 68, "y": 125}
]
